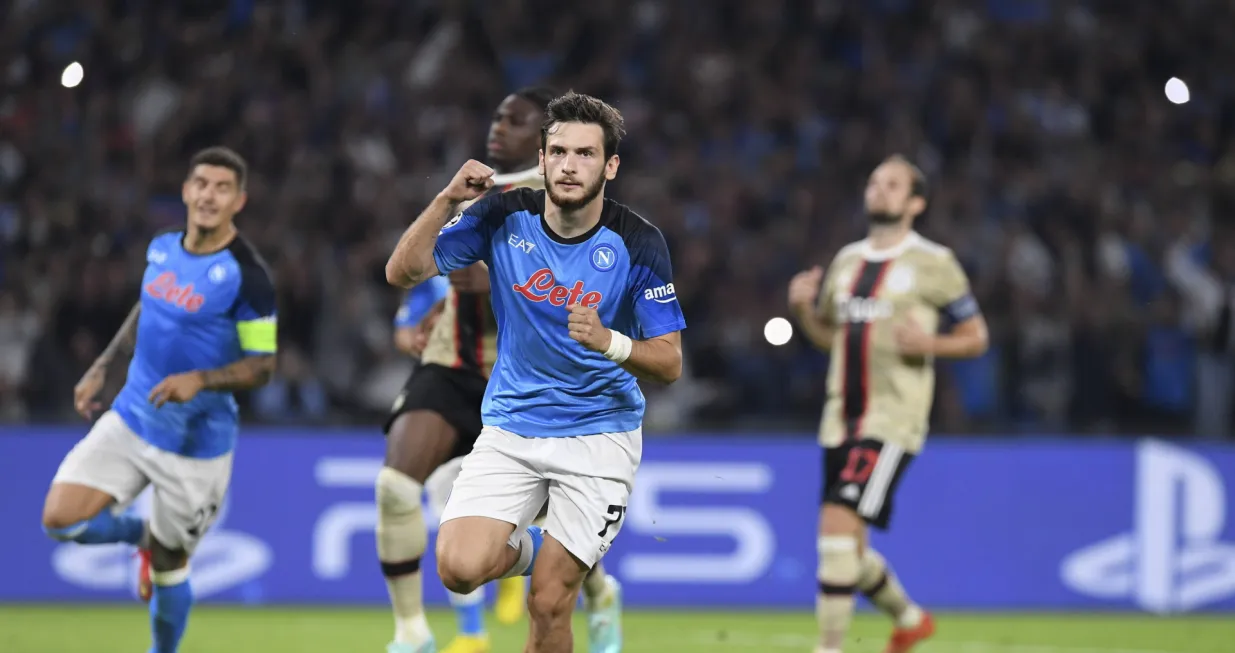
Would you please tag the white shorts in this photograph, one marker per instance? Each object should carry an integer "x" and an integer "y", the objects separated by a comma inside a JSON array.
[
  {"x": 187, "y": 491},
  {"x": 586, "y": 480}
]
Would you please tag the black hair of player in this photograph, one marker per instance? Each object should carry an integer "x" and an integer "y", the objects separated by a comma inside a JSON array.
[
  {"x": 540, "y": 96},
  {"x": 222, "y": 157},
  {"x": 917, "y": 184},
  {"x": 577, "y": 107}
]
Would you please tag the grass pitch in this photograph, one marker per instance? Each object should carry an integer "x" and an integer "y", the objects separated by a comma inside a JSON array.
[{"x": 123, "y": 629}]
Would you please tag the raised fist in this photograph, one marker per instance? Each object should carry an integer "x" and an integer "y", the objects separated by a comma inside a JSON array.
[{"x": 470, "y": 182}]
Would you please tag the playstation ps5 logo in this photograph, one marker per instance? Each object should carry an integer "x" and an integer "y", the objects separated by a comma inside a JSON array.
[{"x": 1174, "y": 560}]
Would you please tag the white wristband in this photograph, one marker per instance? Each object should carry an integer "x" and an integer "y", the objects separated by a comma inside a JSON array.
[{"x": 619, "y": 347}]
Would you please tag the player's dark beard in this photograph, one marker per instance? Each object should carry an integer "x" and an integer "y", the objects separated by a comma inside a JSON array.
[
  {"x": 883, "y": 218},
  {"x": 589, "y": 194}
]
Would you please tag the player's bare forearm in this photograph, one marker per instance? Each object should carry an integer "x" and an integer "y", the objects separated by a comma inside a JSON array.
[
  {"x": 124, "y": 342},
  {"x": 969, "y": 339},
  {"x": 412, "y": 261},
  {"x": 656, "y": 359},
  {"x": 815, "y": 329},
  {"x": 245, "y": 374}
]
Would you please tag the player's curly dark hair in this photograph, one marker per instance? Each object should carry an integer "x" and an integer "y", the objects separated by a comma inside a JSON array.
[
  {"x": 577, "y": 107},
  {"x": 223, "y": 157}
]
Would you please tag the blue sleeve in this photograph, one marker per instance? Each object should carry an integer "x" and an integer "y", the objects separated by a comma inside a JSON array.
[
  {"x": 255, "y": 311},
  {"x": 465, "y": 239},
  {"x": 419, "y": 300},
  {"x": 657, "y": 311}
]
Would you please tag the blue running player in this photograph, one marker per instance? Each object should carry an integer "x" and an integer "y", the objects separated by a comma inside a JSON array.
[
  {"x": 582, "y": 289},
  {"x": 203, "y": 328}
]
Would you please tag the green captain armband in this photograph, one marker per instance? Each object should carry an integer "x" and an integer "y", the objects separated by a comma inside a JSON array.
[{"x": 259, "y": 336}]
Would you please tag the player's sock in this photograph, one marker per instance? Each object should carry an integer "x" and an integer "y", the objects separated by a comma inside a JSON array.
[
  {"x": 469, "y": 611},
  {"x": 839, "y": 567},
  {"x": 528, "y": 543},
  {"x": 401, "y": 541},
  {"x": 169, "y": 608},
  {"x": 885, "y": 592},
  {"x": 596, "y": 588},
  {"x": 104, "y": 528}
]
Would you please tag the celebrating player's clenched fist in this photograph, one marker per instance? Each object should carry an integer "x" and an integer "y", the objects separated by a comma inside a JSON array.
[
  {"x": 804, "y": 289},
  {"x": 470, "y": 182},
  {"x": 586, "y": 329}
]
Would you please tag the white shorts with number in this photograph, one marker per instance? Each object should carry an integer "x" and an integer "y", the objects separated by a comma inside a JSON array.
[
  {"x": 586, "y": 480},
  {"x": 187, "y": 491}
]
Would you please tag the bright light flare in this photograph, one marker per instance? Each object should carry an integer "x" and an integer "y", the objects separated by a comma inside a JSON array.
[
  {"x": 777, "y": 331},
  {"x": 1177, "y": 91},
  {"x": 72, "y": 75}
]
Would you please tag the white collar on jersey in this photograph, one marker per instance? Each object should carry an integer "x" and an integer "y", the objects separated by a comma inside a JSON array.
[
  {"x": 871, "y": 254},
  {"x": 519, "y": 177}
]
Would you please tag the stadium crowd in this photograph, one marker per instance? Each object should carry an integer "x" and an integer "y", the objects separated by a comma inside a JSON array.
[{"x": 1087, "y": 209}]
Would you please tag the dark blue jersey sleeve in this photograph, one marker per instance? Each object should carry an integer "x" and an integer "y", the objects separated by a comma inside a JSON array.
[
  {"x": 657, "y": 311},
  {"x": 255, "y": 309},
  {"x": 466, "y": 238}
]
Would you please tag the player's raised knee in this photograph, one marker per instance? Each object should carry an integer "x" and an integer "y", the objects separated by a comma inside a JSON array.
[
  {"x": 60, "y": 525},
  {"x": 67, "y": 508},
  {"x": 467, "y": 554},
  {"x": 461, "y": 570}
]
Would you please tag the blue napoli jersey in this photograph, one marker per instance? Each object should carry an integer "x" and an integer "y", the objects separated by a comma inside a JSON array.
[
  {"x": 198, "y": 312},
  {"x": 418, "y": 301},
  {"x": 545, "y": 384}
]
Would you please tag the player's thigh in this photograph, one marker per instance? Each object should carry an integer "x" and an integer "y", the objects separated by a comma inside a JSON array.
[
  {"x": 98, "y": 471},
  {"x": 188, "y": 494},
  {"x": 419, "y": 442},
  {"x": 435, "y": 419},
  {"x": 589, "y": 491},
  {"x": 861, "y": 479},
  {"x": 497, "y": 490}
]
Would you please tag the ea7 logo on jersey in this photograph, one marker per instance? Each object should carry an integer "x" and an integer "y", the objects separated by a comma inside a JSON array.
[
  {"x": 518, "y": 242},
  {"x": 542, "y": 286},
  {"x": 661, "y": 294}
]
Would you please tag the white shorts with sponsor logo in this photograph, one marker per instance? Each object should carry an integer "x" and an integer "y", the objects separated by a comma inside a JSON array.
[
  {"x": 187, "y": 491},
  {"x": 586, "y": 479}
]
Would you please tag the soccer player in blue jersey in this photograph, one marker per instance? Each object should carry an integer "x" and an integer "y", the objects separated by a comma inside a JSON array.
[
  {"x": 582, "y": 288},
  {"x": 203, "y": 328}
]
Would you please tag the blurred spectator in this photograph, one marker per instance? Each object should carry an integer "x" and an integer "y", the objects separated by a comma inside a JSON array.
[{"x": 1060, "y": 174}]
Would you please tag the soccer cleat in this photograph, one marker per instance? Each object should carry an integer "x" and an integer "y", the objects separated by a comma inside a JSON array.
[
  {"x": 604, "y": 621},
  {"x": 904, "y": 639},
  {"x": 510, "y": 600},
  {"x": 404, "y": 647},
  {"x": 468, "y": 644},
  {"x": 145, "y": 586}
]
